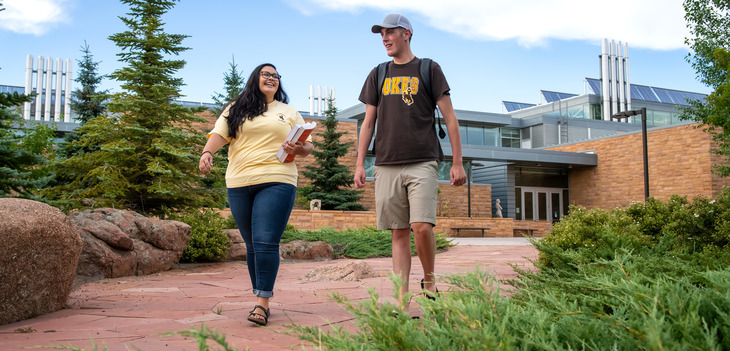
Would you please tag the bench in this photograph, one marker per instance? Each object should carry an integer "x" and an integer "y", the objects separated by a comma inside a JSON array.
[{"x": 469, "y": 228}]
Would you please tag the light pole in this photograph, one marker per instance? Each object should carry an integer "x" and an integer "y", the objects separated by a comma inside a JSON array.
[{"x": 642, "y": 112}]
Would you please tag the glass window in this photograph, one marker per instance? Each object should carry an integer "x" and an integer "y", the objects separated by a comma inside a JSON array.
[
  {"x": 511, "y": 137},
  {"x": 662, "y": 118},
  {"x": 596, "y": 112},
  {"x": 474, "y": 135},
  {"x": 491, "y": 136}
]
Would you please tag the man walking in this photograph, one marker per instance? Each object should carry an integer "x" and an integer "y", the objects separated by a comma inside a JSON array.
[{"x": 407, "y": 149}]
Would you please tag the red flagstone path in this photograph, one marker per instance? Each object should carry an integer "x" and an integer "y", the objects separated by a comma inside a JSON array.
[{"x": 133, "y": 313}]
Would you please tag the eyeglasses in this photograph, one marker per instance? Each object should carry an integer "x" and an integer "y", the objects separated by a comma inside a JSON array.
[{"x": 268, "y": 75}]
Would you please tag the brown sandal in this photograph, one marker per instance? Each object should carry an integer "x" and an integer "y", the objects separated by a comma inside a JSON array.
[{"x": 252, "y": 316}]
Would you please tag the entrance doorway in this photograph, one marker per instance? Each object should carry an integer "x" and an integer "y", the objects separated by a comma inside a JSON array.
[{"x": 539, "y": 204}]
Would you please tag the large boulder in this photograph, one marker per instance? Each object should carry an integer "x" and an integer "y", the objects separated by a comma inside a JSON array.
[
  {"x": 306, "y": 250},
  {"x": 39, "y": 251},
  {"x": 237, "y": 250},
  {"x": 120, "y": 243}
]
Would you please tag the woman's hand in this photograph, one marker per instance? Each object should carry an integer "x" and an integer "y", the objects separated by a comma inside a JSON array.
[
  {"x": 298, "y": 149},
  {"x": 206, "y": 162}
]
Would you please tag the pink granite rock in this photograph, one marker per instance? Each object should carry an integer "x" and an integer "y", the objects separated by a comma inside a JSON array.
[
  {"x": 156, "y": 244},
  {"x": 306, "y": 250},
  {"x": 39, "y": 252}
]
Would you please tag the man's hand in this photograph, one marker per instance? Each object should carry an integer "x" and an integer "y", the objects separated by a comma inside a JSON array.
[
  {"x": 458, "y": 176},
  {"x": 359, "y": 177}
]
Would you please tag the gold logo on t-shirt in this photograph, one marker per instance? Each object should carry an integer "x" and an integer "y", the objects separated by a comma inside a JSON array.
[
  {"x": 407, "y": 87},
  {"x": 407, "y": 95}
]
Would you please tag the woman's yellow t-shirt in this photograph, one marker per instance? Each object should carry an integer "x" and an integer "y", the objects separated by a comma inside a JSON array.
[{"x": 252, "y": 154}]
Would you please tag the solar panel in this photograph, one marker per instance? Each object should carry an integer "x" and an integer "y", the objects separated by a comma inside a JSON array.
[
  {"x": 676, "y": 96},
  {"x": 514, "y": 106},
  {"x": 595, "y": 85},
  {"x": 551, "y": 96},
  {"x": 643, "y": 92}
]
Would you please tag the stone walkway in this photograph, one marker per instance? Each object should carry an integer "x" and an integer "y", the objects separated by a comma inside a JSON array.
[{"x": 134, "y": 312}]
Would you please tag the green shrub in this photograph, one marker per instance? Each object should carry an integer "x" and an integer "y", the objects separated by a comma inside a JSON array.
[
  {"x": 207, "y": 240},
  {"x": 593, "y": 233},
  {"x": 230, "y": 223},
  {"x": 302, "y": 199},
  {"x": 675, "y": 227},
  {"x": 615, "y": 310}
]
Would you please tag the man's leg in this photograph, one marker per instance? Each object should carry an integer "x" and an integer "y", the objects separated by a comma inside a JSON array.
[
  {"x": 401, "y": 240},
  {"x": 426, "y": 249}
]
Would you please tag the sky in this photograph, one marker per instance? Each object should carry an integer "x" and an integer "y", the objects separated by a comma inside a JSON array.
[{"x": 490, "y": 51}]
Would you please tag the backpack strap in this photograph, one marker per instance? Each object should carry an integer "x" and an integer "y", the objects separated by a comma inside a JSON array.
[
  {"x": 382, "y": 70},
  {"x": 426, "y": 77}
]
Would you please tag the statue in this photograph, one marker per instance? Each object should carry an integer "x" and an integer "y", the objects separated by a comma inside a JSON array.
[
  {"x": 315, "y": 205},
  {"x": 498, "y": 208}
]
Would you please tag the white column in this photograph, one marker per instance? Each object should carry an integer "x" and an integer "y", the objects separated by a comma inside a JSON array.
[
  {"x": 311, "y": 100},
  {"x": 59, "y": 81},
  {"x": 28, "y": 85},
  {"x": 620, "y": 81},
  {"x": 67, "y": 92},
  {"x": 39, "y": 89},
  {"x": 626, "y": 72},
  {"x": 325, "y": 101},
  {"x": 319, "y": 100},
  {"x": 614, "y": 74},
  {"x": 605, "y": 91},
  {"x": 49, "y": 89}
]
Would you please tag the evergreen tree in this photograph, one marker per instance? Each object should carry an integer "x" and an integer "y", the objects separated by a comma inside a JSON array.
[
  {"x": 17, "y": 163},
  {"x": 709, "y": 23},
  {"x": 148, "y": 152},
  {"x": 331, "y": 181},
  {"x": 86, "y": 101},
  {"x": 233, "y": 84}
]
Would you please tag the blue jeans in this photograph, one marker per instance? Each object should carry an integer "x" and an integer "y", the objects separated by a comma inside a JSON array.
[{"x": 261, "y": 212}]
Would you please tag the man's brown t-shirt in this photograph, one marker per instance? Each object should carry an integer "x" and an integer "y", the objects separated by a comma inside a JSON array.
[{"x": 405, "y": 130}]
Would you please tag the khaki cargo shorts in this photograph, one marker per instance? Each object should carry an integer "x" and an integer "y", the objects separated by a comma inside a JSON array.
[{"x": 405, "y": 194}]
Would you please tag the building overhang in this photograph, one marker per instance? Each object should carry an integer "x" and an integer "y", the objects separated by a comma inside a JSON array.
[{"x": 527, "y": 157}]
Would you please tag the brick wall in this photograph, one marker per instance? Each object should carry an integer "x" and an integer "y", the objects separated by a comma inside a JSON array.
[
  {"x": 679, "y": 163},
  {"x": 498, "y": 227}
]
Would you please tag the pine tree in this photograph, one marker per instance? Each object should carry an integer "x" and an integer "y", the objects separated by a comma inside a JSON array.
[
  {"x": 16, "y": 162},
  {"x": 148, "y": 153},
  {"x": 233, "y": 84},
  {"x": 331, "y": 180},
  {"x": 86, "y": 101}
]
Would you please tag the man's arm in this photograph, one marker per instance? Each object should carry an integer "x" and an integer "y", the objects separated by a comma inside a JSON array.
[
  {"x": 366, "y": 133},
  {"x": 457, "y": 174}
]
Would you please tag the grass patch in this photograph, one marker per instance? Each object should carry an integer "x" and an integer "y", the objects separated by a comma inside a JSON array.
[{"x": 356, "y": 243}]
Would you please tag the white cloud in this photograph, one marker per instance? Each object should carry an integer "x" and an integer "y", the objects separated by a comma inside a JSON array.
[
  {"x": 32, "y": 16},
  {"x": 652, "y": 24}
]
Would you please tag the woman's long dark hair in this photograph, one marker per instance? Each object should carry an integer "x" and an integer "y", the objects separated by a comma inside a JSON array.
[{"x": 251, "y": 102}]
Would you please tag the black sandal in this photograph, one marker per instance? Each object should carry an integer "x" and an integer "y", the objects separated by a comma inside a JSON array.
[
  {"x": 252, "y": 315},
  {"x": 430, "y": 297}
]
